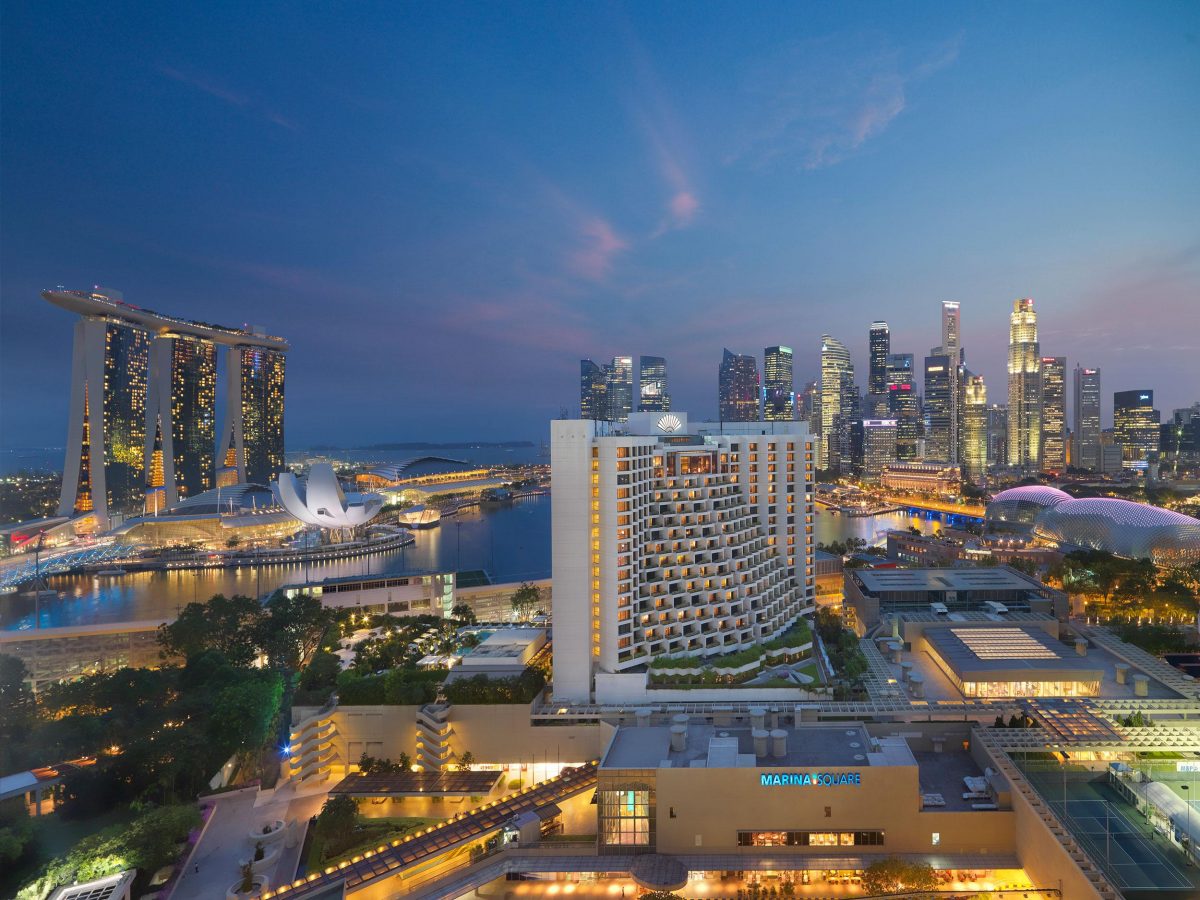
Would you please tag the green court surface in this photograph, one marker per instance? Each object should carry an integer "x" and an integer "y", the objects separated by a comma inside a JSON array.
[{"x": 1116, "y": 836}]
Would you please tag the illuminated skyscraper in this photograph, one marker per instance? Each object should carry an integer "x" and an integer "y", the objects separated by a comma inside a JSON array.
[
  {"x": 737, "y": 388},
  {"x": 181, "y": 417},
  {"x": 653, "y": 395},
  {"x": 620, "y": 388},
  {"x": 997, "y": 435},
  {"x": 940, "y": 372},
  {"x": 1024, "y": 388},
  {"x": 952, "y": 348},
  {"x": 1086, "y": 435},
  {"x": 259, "y": 396},
  {"x": 839, "y": 397},
  {"x": 879, "y": 446},
  {"x": 143, "y": 389},
  {"x": 881, "y": 347},
  {"x": 779, "y": 399},
  {"x": 975, "y": 429},
  {"x": 1135, "y": 425},
  {"x": 1054, "y": 413},
  {"x": 903, "y": 405}
]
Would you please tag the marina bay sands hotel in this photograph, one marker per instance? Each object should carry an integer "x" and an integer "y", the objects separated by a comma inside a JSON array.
[{"x": 142, "y": 431}]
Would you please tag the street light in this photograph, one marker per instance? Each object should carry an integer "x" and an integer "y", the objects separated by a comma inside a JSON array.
[{"x": 1188, "y": 803}]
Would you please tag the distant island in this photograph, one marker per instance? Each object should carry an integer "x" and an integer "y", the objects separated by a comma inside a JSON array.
[{"x": 425, "y": 445}]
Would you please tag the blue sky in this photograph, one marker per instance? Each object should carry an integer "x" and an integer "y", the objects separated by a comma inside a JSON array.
[{"x": 444, "y": 206}]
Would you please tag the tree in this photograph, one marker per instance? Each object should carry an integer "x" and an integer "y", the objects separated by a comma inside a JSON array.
[
  {"x": 321, "y": 672},
  {"x": 466, "y": 760},
  {"x": 404, "y": 762},
  {"x": 892, "y": 876},
  {"x": 464, "y": 613},
  {"x": 227, "y": 624},
  {"x": 16, "y": 698},
  {"x": 336, "y": 823},
  {"x": 525, "y": 599},
  {"x": 290, "y": 628}
]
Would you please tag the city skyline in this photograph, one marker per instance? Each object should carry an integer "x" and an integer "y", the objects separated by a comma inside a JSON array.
[{"x": 1095, "y": 219}]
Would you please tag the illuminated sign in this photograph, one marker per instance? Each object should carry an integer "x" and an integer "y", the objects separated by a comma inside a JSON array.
[
  {"x": 669, "y": 423},
  {"x": 810, "y": 779}
]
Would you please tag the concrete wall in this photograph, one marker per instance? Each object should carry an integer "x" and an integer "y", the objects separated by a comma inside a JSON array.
[
  {"x": 502, "y": 733},
  {"x": 570, "y": 460},
  {"x": 499, "y": 733},
  {"x": 711, "y": 806}
]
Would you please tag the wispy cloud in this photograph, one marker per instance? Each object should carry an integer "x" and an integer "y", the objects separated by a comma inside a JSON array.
[
  {"x": 820, "y": 101},
  {"x": 227, "y": 95},
  {"x": 599, "y": 246},
  {"x": 665, "y": 135}
]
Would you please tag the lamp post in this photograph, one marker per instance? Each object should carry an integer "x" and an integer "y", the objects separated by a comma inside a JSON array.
[{"x": 1188, "y": 803}]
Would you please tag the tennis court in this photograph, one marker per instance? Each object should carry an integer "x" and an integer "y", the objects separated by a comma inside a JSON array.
[{"x": 1115, "y": 835}]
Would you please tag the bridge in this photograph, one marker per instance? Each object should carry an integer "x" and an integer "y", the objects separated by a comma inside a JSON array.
[
  {"x": 20, "y": 570},
  {"x": 965, "y": 510}
]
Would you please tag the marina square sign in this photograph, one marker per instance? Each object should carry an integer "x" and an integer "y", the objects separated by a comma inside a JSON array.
[{"x": 809, "y": 779}]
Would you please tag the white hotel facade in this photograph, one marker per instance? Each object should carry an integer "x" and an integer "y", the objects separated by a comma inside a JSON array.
[{"x": 675, "y": 539}]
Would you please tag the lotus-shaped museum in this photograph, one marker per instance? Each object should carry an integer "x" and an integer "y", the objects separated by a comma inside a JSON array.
[{"x": 319, "y": 499}]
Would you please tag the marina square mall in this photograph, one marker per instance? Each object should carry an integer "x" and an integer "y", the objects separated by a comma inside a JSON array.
[{"x": 688, "y": 741}]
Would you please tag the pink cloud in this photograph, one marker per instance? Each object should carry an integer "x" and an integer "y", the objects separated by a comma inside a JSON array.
[
  {"x": 684, "y": 206},
  {"x": 601, "y": 245}
]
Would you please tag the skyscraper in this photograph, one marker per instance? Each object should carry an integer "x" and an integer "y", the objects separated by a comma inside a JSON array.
[
  {"x": 737, "y": 388},
  {"x": 808, "y": 406},
  {"x": 997, "y": 435},
  {"x": 779, "y": 399},
  {"x": 839, "y": 397},
  {"x": 879, "y": 446},
  {"x": 940, "y": 374},
  {"x": 881, "y": 347},
  {"x": 620, "y": 388},
  {"x": 1024, "y": 388},
  {"x": 975, "y": 429},
  {"x": 1136, "y": 425},
  {"x": 1054, "y": 413},
  {"x": 593, "y": 401},
  {"x": 903, "y": 405},
  {"x": 653, "y": 395},
  {"x": 142, "y": 411},
  {"x": 181, "y": 417},
  {"x": 952, "y": 348},
  {"x": 1087, "y": 419}
]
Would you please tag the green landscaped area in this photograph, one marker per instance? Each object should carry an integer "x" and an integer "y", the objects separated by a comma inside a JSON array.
[
  {"x": 662, "y": 674},
  {"x": 327, "y": 847}
]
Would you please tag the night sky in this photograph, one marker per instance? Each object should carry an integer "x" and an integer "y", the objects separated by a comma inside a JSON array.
[{"x": 444, "y": 205}]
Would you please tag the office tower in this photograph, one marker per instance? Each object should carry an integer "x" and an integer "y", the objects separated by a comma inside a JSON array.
[
  {"x": 1024, "y": 388},
  {"x": 879, "y": 446},
  {"x": 181, "y": 416},
  {"x": 808, "y": 406},
  {"x": 839, "y": 398},
  {"x": 975, "y": 429},
  {"x": 903, "y": 405},
  {"x": 652, "y": 385},
  {"x": 940, "y": 375},
  {"x": 593, "y": 401},
  {"x": 737, "y": 388},
  {"x": 143, "y": 390},
  {"x": 1054, "y": 414},
  {"x": 620, "y": 388},
  {"x": 1087, "y": 419},
  {"x": 654, "y": 533},
  {"x": 997, "y": 435},
  {"x": 952, "y": 348},
  {"x": 1135, "y": 425},
  {"x": 1179, "y": 441},
  {"x": 881, "y": 348},
  {"x": 779, "y": 399}
]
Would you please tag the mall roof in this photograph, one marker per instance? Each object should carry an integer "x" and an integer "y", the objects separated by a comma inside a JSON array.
[
  {"x": 1014, "y": 652},
  {"x": 990, "y": 578},
  {"x": 709, "y": 746},
  {"x": 419, "y": 466}
]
